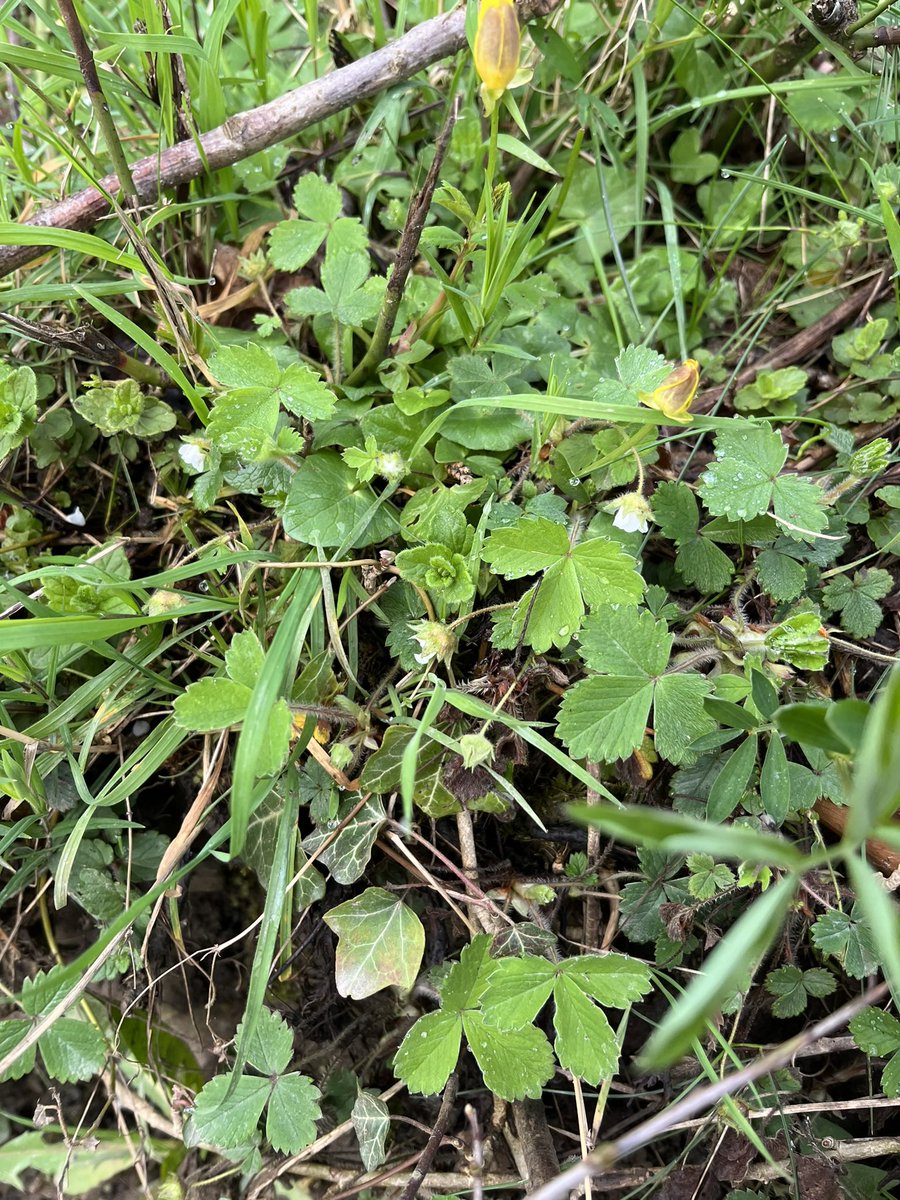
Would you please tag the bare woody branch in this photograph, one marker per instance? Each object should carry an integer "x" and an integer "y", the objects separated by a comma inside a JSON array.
[{"x": 249, "y": 132}]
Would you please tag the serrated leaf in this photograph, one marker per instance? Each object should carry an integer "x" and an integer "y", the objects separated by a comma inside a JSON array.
[
  {"x": 876, "y": 1032},
  {"x": 233, "y": 1121},
  {"x": 844, "y": 937},
  {"x": 679, "y": 715},
  {"x": 612, "y": 979},
  {"x": 209, "y": 704},
  {"x": 271, "y": 1043},
  {"x": 793, "y": 987},
  {"x": 380, "y": 943},
  {"x": 603, "y": 718},
  {"x": 348, "y": 855},
  {"x": 745, "y": 482},
  {"x": 625, "y": 641},
  {"x": 72, "y": 1050},
  {"x": 429, "y": 1052},
  {"x": 326, "y": 503},
  {"x": 12, "y": 1032},
  {"x": 585, "y": 1042},
  {"x": 703, "y": 565},
  {"x": 516, "y": 990},
  {"x": 707, "y": 876},
  {"x": 514, "y": 1062},
  {"x": 292, "y": 1113},
  {"x": 465, "y": 979},
  {"x": 857, "y": 599},
  {"x": 782, "y": 577},
  {"x": 890, "y": 1077},
  {"x": 371, "y": 1122}
]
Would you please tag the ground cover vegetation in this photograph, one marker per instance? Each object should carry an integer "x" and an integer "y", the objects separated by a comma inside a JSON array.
[{"x": 448, "y": 561}]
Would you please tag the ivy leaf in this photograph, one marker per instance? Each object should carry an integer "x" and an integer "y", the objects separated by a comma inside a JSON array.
[
  {"x": 348, "y": 855},
  {"x": 574, "y": 578},
  {"x": 380, "y": 942},
  {"x": 371, "y": 1121},
  {"x": 585, "y": 1043},
  {"x": 230, "y": 1122},
  {"x": 514, "y": 1062},
  {"x": 604, "y": 717},
  {"x": 516, "y": 990},
  {"x": 857, "y": 599},
  {"x": 326, "y": 503},
  {"x": 429, "y": 1052},
  {"x": 271, "y": 1043},
  {"x": 793, "y": 988},
  {"x": 745, "y": 482},
  {"x": 292, "y": 1113}
]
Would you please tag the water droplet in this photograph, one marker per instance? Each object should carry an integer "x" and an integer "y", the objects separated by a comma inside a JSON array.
[
  {"x": 574, "y": 481},
  {"x": 211, "y": 281},
  {"x": 726, "y": 174},
  {"x": 563, "y": 631},
  {"x": 695, "y": 103},
  {"x": 202, "y": 586},
  {"x": 832, "y": 137}
]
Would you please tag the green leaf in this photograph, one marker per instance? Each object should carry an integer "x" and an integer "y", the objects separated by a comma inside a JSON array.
[
  {"x": 738, "y": 952},
  {"x": 876, "y": 1032},
  {"x": 585, "y": 1043},
  {"x": 592, "y": 572},
  {"x": 689, "y": 163},
  {"x": 326, "y": 504},
  {"x": 121, "y": 407},
  {"x": 380, "y": 943},
  {"x": 18, "y": 406},
  {"x": 293, "y": 243},
  {"x": 271, "y": 1044},
  {"x": 857, "y": 599},
  {"x": 604, "y": 717},
  {"x": 876, "y": 782},
  {"x": 707, "y": 876},
  {"x": 775, "y": 781},
  {"x": 209, "y": 704},
  {"x": 261, "y": 383},
  {"x": 465, "y": 979},
  {"x": 782, "y": 577},
  {"x": 371, "y": 1122},
  {"x": 745, "y": 482},
  {"x": 800, "y": 641},
  {"x": 443, "y": 573},
  {"x": 731, "y": 782},
  {"x": 514, "y": 1062},
  {"x": 429, "y": 1052},
  {"x": 348, "y": 855},
  {"x": 704, "y": 566},
  {"x": 72, "y": 1050},
  {"x": 612, "y": 979},
  {"x": 233, "y": 1121},
  {"x": 793, "y": 988},
  {"x": 292, "y": 1113},
  {"x": 846, "y": 939},
  {"x": 516, "y": 990},
  {"x": 12, "y": 1032}
]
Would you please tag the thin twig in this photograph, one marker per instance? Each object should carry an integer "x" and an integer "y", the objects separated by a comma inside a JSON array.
[
  {"x": 433, "y": 1143},
  {"x": 406, "y": 254}
]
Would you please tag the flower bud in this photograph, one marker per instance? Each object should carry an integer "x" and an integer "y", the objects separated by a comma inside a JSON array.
[
  {"x": 497, "y": 44},
  {"x": 675, "y": 394},
  {"x": 435, "y": 641}
]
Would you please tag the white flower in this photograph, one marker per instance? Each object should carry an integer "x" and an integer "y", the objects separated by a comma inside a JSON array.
[
  {"x": 631, "y": 513},
  {"x": 435, "y": 641},
  {"x": 193, "y": 455},
  {"x": 75, "y": 517}
]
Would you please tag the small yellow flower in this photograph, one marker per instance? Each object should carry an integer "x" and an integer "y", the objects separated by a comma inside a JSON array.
[
  {"x": 497, "y": 44},
  {"x": 675, "y": 394}
]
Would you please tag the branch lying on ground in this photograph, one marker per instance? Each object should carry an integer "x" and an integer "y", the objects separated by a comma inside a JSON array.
[{"x": 249, "y": 132}]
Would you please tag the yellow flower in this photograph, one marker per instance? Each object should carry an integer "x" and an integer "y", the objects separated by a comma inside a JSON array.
[
  {"x": 497, "y": 44},
  {"x": 675, "y": 394}
]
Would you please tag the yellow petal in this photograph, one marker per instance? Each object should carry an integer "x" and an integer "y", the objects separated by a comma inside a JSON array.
[
  {"x": 497, "y": 44},
  {"x": 675, "y": 394}
]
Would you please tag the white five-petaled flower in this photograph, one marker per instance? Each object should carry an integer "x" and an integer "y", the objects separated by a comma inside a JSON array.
[
  {"x": 631, "y": 513},
  {"x": 193, "y": 455}
]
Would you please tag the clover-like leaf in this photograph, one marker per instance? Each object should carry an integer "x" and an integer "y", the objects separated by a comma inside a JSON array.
[
  {"x": 292, "y": 1113},
  {"x": 429, "y": 1052}
]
